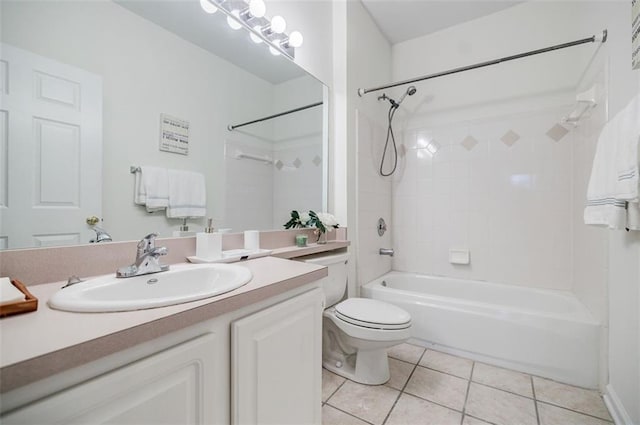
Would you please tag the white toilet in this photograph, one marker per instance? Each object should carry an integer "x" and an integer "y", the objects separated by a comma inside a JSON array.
[{"x": 357, "y": 332}]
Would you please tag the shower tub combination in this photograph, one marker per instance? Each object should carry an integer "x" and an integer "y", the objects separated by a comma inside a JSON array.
[{"x": 542, "y": 332}]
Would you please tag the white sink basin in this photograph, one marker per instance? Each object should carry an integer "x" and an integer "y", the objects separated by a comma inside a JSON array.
[{"x": 181, "y": 284}]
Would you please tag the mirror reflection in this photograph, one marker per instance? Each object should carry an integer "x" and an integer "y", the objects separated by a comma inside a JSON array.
[{"x": 91, "y": 89}]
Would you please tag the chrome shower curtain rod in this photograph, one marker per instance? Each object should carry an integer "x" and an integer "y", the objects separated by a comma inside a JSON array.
[
  {"x": 602, "y": 38},
  {"x": 302, "y": 108}
]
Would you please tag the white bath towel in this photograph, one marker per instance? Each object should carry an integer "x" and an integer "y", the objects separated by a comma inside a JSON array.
[
  {"x": 627, "y": 128},
  {"x": 612, "y": 194},
  {"x": 152, "y": 188},
  {"x": 187, "y": 194}
]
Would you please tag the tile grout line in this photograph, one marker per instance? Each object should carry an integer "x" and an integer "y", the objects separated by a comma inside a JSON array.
[
  {"x": 350, "y": 414},
  {"x": 535, "y": 400},
  {"x": 415, "y": 366},
  {"x": 466, "y": 396},
  {"x": 336, "y": 390},
  {"x": 574, "y": 411}
]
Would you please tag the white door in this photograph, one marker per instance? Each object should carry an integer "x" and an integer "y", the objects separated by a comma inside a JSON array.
[
  {"x": 50, "y": 150},
  {"x": 276, "y": 357}
]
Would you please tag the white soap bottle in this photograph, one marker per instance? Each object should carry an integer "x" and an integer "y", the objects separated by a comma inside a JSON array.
[{"x": 209, "y": 243}]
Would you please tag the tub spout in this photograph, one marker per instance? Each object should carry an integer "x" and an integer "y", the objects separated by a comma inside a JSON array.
[{"x": 386, "y": 251}]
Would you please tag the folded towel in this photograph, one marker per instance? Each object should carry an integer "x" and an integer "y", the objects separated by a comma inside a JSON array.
[
  {"x": 627, "y": 132},
  {"x": 187, "y": 194},
  {"x": 8, "y": 292},
  {"x": 152, "y": 188},
  {"x": 612, "y": 194}
]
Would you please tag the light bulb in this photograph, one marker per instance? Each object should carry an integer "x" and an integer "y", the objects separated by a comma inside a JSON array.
[
  {"x": 208, "y": 7},
  {"x": 254, "y": 37},
  {"x": 232, "y": 22},
  {"x": 278, "y": 24},
  {"x": 273, "y": 50},
  {"x": 295, "y": 39},
  {"x": 257, "y": 8}
]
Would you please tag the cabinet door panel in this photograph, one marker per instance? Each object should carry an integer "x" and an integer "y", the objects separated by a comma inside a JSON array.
[
  {"x": 174, "y": 386},
  {"x": 276, "y": 363}
]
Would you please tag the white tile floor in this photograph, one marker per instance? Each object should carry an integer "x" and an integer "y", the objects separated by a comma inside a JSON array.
[{"x": 430, "y": 387}]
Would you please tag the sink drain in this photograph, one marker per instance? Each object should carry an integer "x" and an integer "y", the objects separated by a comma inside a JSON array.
[{"x": 152, "y": 281}]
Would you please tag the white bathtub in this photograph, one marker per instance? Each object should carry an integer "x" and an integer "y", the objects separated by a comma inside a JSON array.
[{"x": 543, "y": 332}]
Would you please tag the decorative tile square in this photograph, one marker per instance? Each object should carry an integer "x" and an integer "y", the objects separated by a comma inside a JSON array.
[
  {"x": 557, "y": 132},
  {"x": 412, "y": 410},
  {"x": 499, "y": 407},
  {"x": 317, "y": 160},
  {"x": 552, "y": 415},
  {"x": 438, "y": 387},
  {"x": 279, "y": 165},
  {"x": 447, "y": 363},
  {"x": 574, "y": 398},
  {"x": 469, "y": 143},
  {"x": 503, "y": 379},
  {"x": 330, "y": 383},
  {"x": 333, "y": 416},
  {"x": 510, "y": 137},
  {"x": 367, "y": 402},
  {"x": 297, "y": 163},
  {"x": 400, "y": 372},
  {"x": 406, "y": 352}
]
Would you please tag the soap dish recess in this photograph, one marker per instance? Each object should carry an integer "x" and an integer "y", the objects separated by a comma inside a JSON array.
[{"x": 232, "y": 256}]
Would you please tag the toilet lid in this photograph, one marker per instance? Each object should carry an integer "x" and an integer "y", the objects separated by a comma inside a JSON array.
[{"x": 372, "y": 314}]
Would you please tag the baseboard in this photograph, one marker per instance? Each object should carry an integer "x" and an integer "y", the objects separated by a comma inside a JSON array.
[{"x": 616, "y": 409}]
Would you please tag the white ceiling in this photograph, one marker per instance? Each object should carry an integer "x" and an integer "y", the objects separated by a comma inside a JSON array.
[{"x": 401, "y": 20}]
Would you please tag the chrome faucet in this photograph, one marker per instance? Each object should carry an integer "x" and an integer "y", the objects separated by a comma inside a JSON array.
[
  {"x": 147, "y": 259},
  {"x": 101, "y": 235},
  {"x": 386, "y": 251}
]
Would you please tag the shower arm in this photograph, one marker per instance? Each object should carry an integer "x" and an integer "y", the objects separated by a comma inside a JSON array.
[{"x": 601, "y": 38}]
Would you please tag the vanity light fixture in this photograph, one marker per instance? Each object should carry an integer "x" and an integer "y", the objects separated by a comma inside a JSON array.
[
  {"x": 233, "y": 23},
  {"x": 251, "y": 15},
  {"x": 208, "y": 7}
]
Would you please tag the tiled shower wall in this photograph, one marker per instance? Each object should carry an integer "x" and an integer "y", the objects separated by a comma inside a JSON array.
[
  {"x": 262, "y": 195},
  {"x": 500, "y": 187}
]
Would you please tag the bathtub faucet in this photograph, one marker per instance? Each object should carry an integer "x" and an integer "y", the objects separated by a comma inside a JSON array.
[{"x": 386, "y": 251}]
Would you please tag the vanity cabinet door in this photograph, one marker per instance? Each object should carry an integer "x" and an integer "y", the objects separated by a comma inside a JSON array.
[
  {"x": 175, "y": 386},
  {"x": 276, "y": 358}
]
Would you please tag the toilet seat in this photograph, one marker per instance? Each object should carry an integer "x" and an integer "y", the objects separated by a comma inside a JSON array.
[{"x": 372, "y": 314}]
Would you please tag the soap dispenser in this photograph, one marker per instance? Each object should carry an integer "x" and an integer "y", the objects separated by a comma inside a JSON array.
[
  {"x": 184, "y": 230},
  {"x": 209, "y": 243}
]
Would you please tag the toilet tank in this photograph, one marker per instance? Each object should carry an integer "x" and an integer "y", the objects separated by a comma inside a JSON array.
[{"x": 335, "y": 284}]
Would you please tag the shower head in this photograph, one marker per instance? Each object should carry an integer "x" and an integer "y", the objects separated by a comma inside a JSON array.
[{"x": 410, "y": 91}]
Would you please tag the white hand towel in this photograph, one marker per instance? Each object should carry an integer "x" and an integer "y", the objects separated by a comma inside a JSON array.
[
  {"x": 9, "y": 293},
  {"x": 154, "y": 188},
  {"x": 612, "y": 194},
  {"x": 603, "y": 209},
  {"x": 187, "y": 194},
  {"x": 627, "y": 128}
]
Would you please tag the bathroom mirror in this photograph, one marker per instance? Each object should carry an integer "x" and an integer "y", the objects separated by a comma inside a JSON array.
[{"x": 89, "y": 88}]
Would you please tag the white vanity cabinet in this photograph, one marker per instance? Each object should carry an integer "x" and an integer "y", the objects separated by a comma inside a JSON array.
[
  {"x": 175, "y": 386},
  {"x": 276, "y": 357},
  {"x": 260, "y": 364}
]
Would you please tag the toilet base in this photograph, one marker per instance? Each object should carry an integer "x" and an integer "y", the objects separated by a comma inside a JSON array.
[{"x": 370, "y": 367}]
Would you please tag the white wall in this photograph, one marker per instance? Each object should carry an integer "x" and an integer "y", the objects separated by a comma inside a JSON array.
[
  {"x": 139, "y": 83},
  {"x": 368, "y": 64}
]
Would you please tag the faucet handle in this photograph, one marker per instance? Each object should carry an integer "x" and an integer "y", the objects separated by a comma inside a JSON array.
[{"x": 147, "y": 243}]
